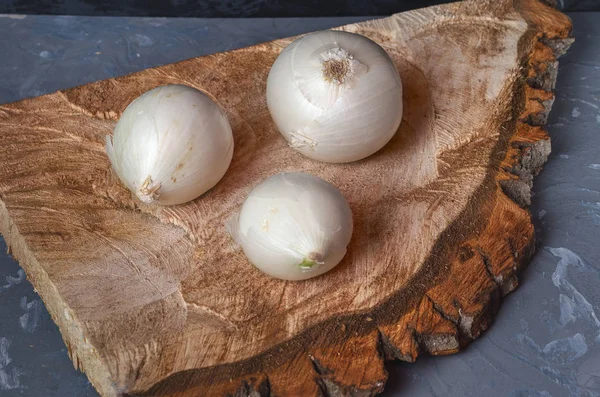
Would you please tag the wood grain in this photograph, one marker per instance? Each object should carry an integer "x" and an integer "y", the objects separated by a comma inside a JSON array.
[{"x": 158, "y": 301}]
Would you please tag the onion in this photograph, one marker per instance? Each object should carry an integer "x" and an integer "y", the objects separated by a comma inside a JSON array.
[
  {"x": 335, "y": 96},
  {"x": 294, "y": 226},
  {"x": 171, "y": 145}
]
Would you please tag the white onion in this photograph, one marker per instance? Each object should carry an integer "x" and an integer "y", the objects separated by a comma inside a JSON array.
[
  {"x": 171, "y": 145},
  {"x": 294, "y": 226},
  {"x": 335, "y": 96}
]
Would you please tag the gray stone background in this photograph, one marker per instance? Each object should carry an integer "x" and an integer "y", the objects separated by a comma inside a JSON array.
[
  {"x": 239, "y": 8},
  {"x": 545, "y": 340}
]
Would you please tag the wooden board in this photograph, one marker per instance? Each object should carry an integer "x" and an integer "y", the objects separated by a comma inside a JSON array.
[{"x": 160, "y": 302}]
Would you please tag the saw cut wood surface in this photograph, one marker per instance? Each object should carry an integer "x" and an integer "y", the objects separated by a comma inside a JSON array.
[{"x": 159, "y": 301}]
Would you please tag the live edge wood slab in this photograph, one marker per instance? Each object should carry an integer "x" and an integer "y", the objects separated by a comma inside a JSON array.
[{"x": 160, "y": 302}]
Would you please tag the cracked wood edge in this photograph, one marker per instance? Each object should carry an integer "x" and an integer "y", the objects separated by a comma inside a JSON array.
[{"x": 346, "y": 356}]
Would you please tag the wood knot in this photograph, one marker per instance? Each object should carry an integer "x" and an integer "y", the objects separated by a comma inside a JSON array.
[{"x": 465, "y": 253}]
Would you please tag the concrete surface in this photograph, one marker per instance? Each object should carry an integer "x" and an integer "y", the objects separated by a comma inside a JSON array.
[
  {"x": 545, "y": 341},
  {"x": 238, "y": 8}
]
